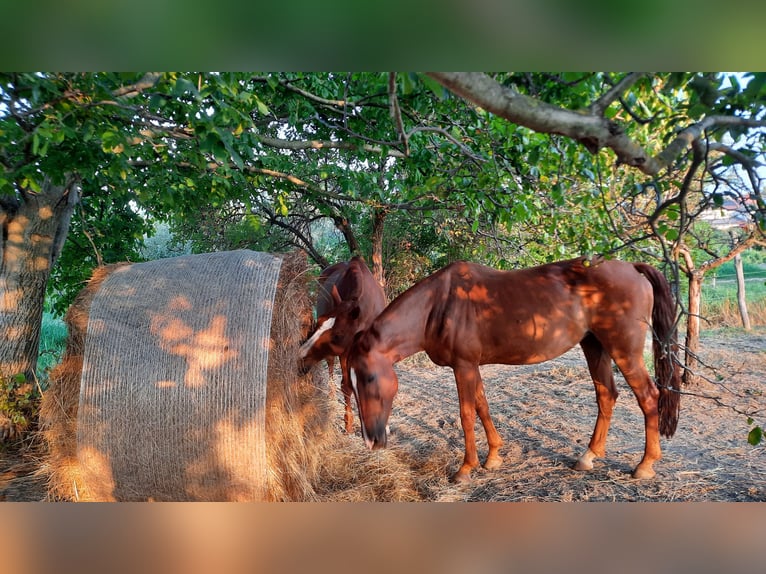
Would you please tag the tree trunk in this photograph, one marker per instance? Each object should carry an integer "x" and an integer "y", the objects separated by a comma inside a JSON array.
[
  {"x": 34, "y": 225},
  {"x": 348, "y": 234},
  {"x": 741, "y": 292},
  {"x": 693, "y": 326},
  {"x": 378, "y": 220}
]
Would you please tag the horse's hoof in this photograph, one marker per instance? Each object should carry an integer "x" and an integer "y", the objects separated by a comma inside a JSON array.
[
  {"x": 643, "y": 473},
  {"x": 461, "y": 477},
  {"x": 585, "y": 462},
  {"x": 493, "y": 463}
]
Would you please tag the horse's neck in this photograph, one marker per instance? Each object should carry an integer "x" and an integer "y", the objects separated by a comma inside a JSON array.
[{"x": 401, "y": 332}]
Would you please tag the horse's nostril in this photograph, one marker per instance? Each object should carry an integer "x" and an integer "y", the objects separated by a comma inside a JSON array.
[{"x": 378, "y": 441}]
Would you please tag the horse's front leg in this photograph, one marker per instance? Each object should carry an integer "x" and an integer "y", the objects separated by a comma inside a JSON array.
[
  {"x": 494, "y": 442},
  {"x": 470, "y": 391},
  {"x": 345, "y": 387},
  {"x": 330, "y": 372}
]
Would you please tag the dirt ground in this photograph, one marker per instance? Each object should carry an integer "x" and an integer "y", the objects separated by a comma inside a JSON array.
[{"x": 545, "y": 414}]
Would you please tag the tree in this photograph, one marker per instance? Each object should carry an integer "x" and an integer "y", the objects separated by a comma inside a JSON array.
[
  {"x": 692, "y": 137},
  {"x": 49, "y": 146}
]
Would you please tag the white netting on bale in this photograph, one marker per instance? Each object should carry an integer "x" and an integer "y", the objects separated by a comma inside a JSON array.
[{"x": 173, "y": 388}]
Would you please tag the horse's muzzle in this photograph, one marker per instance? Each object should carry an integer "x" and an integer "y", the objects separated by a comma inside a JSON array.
[{"x": 377, "y": 439}]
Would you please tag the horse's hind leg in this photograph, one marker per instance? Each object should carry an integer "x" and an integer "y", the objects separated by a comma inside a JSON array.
[
  {"x": 647, "y": 394},
  {"x": 600, "y": 366}
]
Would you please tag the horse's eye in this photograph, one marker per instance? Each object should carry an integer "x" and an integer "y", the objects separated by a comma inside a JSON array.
[{"x": 371, "y": 378}]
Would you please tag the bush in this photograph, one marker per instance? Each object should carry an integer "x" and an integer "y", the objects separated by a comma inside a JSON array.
[{"x": 19, "y": 401}]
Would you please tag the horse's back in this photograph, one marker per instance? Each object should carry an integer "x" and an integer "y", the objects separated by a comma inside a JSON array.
[
  {"x": 353, "y": 280},
  {"x": 329, "y": 277},
  {"x": 372, "y": 299},
  {"x": 528, "y": 315}
]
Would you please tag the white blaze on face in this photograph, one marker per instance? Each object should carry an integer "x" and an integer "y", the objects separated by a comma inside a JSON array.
[{"x": 306, "y": 347}]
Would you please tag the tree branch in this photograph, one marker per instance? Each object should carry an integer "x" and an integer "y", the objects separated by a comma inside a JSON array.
[
  {"x": 600, "y": 105},
  {"x": 149, "y": 80},
  {"x": 594, "y": 132},
  {"x": 396, "y": 112},
  {"x": 441, "y": 131},
  {"x": 325, "y": 144}
]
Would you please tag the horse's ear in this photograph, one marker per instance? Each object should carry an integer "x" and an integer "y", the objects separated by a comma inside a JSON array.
[{"x": 335, "y": 295}]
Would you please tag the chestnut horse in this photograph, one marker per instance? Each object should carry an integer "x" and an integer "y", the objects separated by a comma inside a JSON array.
[
  {"x": 326, "y": 301},
  {"x": 349, "y": 299},
  {"x": 466, "y": 315}
]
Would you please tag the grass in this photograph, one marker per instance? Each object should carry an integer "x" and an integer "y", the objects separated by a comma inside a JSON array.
[
  {"x": 719, "y": 303},
  {"x": 53, "y": 334},
  {"x": 719, "y": 293}
]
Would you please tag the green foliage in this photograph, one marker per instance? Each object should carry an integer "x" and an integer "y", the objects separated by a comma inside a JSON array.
[
  {"x": 19, "y": 400},
  {"x": 755, "y": 436},
  {"x": 53, "y": 335},
  {"x": 161, "y": 243},
  {"x": 276, "y": 161},
  {"x": 106, "y": 228}
]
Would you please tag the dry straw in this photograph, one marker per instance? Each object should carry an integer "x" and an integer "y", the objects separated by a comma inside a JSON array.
[{"x": 179, "y": 382}]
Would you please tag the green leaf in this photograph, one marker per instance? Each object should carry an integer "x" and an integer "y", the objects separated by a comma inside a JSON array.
[
  {"x": 407, "y": 84},
  {"x": 671, "y": 234},
  {"x": 434, "y": 86},
  {"x": 235, "y": 157},
  {"x": 673, "y": 212},
  {"x": 262, "y": 108},
  {"x": 755, "y": 436},
  {"x": 272, "y": 81},
  {"x": 282, "y": 206},
  {"x": 183, "y": 86}
]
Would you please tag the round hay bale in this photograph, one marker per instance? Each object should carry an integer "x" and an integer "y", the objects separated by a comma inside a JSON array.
[{"x": 179, "y": 382}]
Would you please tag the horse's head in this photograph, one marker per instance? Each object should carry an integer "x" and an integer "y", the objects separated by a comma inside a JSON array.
[
  {"x": 375, "y": 383},
  {"x": 333, "y": 334}
]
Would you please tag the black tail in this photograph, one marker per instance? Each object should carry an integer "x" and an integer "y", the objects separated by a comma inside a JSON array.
[{"x": 667, "y": 371}]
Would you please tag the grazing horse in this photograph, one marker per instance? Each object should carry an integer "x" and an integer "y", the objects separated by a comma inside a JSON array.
[
  {"x": 355, "y": 299},
  {"x": 466, "y": 315},
  {"x": 327, "y": 301}
]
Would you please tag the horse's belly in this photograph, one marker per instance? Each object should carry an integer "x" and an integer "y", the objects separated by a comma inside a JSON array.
[
  {"x": 537, "y": 344},
  {"x": 527, "y": 355}
]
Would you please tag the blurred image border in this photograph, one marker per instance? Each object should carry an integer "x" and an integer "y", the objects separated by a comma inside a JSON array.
[
  {"x": 514, "y": 35},
  {"x": 378, "y": 537}
]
